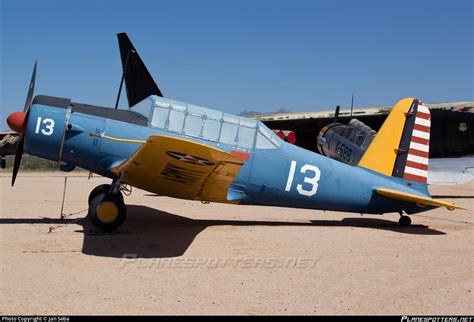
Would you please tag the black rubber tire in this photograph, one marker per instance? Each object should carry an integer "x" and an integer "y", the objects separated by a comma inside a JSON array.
[
  {"x": 103, "y": 188},
  {"x": 94, "y": 208},
  {"x": 404, "y": 221}
]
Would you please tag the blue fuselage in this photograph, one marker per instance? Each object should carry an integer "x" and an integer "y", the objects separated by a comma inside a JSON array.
[{"x": 284, "y": 175}]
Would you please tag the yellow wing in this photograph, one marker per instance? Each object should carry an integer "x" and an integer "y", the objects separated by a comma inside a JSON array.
[
  {"x": 181, "y": 168},
  {"x": 419, "y": 200}
]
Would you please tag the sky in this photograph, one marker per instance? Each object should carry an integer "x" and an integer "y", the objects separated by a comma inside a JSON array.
[{"x": 240, "y": 55}]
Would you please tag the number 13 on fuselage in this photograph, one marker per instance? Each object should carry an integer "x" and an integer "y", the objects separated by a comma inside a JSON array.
[{"x": 312, "y": 176}]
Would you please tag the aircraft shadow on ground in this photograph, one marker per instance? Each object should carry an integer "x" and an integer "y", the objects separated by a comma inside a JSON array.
[{"x": 151, "y": 233}]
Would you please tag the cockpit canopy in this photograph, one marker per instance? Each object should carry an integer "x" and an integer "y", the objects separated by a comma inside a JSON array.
[
  {"x": 205, "y": 123},
  {"x": 356, "y": 132}
]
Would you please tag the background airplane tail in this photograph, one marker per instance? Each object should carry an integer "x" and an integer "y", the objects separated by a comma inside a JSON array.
[
  {"x": 139, "y": 83},
  {"x": 401, "y": 147}
]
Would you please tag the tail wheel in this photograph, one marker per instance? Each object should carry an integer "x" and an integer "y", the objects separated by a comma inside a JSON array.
[
  {"x": 404, "y": 221},
  {"x": 103, "y": 188},
  {"x": 107, "y": 211}
]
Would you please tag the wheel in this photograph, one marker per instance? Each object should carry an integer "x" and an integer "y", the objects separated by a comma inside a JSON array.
[
  {"x": 103, "y": 188},
  {"x": 404, "y": 221},
  {"x": 107, "y": 211}
]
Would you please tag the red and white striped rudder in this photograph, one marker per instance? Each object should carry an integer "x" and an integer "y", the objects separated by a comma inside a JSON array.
[{"x": 416, "y": 167}]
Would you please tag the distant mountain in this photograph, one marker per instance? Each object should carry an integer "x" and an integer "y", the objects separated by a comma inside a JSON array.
[{"x": 279, "y": 111}]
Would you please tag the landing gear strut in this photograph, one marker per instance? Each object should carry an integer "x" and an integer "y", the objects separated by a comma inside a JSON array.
[
  {"x": 107, "y": 210},
  {"x": 404, "y": 221}
]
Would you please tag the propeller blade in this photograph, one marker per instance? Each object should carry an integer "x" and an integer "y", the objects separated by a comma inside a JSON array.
[
  {"x": 21, "y": 140},
  {"x": 31, "y": 89},
  {"x": 18, "y": 155}
]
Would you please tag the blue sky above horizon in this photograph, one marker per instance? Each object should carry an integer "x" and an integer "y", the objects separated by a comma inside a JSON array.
[{"x": 242, "y": 55}]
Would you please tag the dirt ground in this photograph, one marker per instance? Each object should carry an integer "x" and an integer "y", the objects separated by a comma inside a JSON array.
[{"x": 181, "y": 257}]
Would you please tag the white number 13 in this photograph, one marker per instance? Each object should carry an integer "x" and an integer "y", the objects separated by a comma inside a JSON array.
[
  {"x": 313, "y": 181},
  {"x": 48, "y": 126}
]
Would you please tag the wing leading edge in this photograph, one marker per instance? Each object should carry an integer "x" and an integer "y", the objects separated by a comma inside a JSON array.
[{"x": 181, "y": 168}]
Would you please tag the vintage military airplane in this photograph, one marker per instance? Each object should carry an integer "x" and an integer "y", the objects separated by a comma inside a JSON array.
[{"x": 186, "y": 151}]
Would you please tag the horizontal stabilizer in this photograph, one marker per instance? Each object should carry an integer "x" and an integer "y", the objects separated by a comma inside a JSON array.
[{"x": 419, "y": 200}]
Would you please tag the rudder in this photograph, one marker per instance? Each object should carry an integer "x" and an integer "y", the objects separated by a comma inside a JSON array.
[
  {"x": 412, "y": 160},
  {"x": 401, "y": 147}
]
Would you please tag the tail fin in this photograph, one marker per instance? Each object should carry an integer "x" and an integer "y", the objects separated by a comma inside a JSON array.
[
  {"x": 401, "y": 147},
  {"x": 138, "y": 81}
]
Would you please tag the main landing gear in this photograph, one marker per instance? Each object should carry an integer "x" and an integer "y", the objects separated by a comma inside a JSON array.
[
  {"x": 404, "y": 220},
  {"x": 107, "y": 210}
]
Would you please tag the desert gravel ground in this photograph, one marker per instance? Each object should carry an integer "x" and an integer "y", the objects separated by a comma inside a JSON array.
[{"x": 184, "y": 257}]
